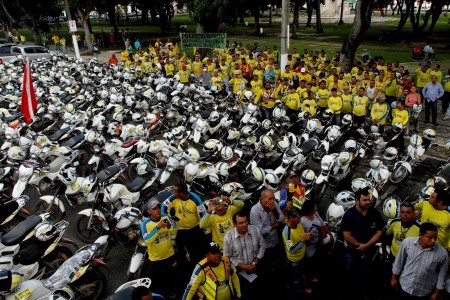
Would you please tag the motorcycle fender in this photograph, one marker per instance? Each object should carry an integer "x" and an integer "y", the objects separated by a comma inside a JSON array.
[
  {"x": 164, "y": 176},
  {"x": 19, "y": 188},
  {"x": 196, "y": 136},
  {"x": 246, "y": 117},
  {"x": 97, "y": 213},
  {"x": 214, "y": 178},
  {"x": 138, "y": 160},
  {"x": 101, "y": 240},
  {"x": 130, "y": 198},
  {"x": 136, "y": 262},
  {"x": 6, "y": 262},
  {"x": 75, "y": 187},
  {"x": 55, "y": 200},
  {"x": 6, "y": 145},
  {"x": 34, "y": 287},
  {"x": 305, "y": 137},
  {"x": 279, "y": 171},
  {"x": 28, "y": 271},
  {"x": 326, "y": 145},
  {"x": 407, "y": 166},
  {"x": 94, "y": 160},
  {"x": 322, "y": 178},
  {"x": 8, "y": 251}
]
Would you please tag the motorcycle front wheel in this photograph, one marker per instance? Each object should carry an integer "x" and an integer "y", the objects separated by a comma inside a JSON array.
[
  {"x": 55, "y": 259},
  {"x": 92, "y": 286},
  {"x": 398, "y": 175},
  {"x": 86, "y": 234}
]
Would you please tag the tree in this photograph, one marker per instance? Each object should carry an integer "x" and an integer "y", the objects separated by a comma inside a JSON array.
[
  {"x": 363, "y": 17},
  {"x": 209, "y": 14},
  {"x": 319, "y": 28},
  {"x": 309, "y": 11}
]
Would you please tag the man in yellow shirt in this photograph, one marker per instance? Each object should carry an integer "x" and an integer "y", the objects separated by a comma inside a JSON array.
[
  {"x": 237, "y": 83},
  {"x": 446, "y": 98},
  {"x": 294, "y": 240},
  {"x": 259, "y": 72},
  {"x": 422, "y": 74},
  {"x": 346, "y": 100},
  {"x": 335, "y": 104},
  {"x": 436, "y": 211},
  {"x": 268, "y": 101},
  {"x": 185, "y": 209},
  {"x": 224, "y": 73},
  {"x": 219, "y": 217},
  {"x": 157, "y": 231},
  {"x": 197, "y": 66},
  {"x": 214, "y": 278},
  {"x": 282, "y": 91},
  {"x": 169, "y": 68},
  {"x": 323, "y": 95},
  {"x": 379, "y": 112},
  {"x": 185, "y": 74},
  {"x": 216, "y": 80},
  {"x": 309, "y": 104},
  {"x": 400, "y": 115},
  {"x": 292, "y": 103},
  {"x": 360, "y": 104}
]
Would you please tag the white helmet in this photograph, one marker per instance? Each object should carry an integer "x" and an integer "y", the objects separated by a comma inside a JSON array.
[
  {"x": 417, "y": 108},
  {"x": 307, "y": 177},
  {"x": 65, "y": 293},
  {"x": 139, "y": 130},
  {"x": 211, "y": 146},
  {"x": 253, "y": 121},
  {"x": 248, "y": 95},
  {"x": 118, "y": 116},
  {"x": 233, "y": 134},
  {"x": 283, "y": 144},
  {"x": 266, "y": 124},
  {"x": 150, "y": 118},
  {"x": 247, "y": 130},
  {"x": 303, "y": 115},
  {"x": 68, "y": 175},
  {"x": 344, "y": 158},
  {"x": 137, "y": 117},
  {"x": 70, "y": 108},
  {"x": 192, "y": 154},
  {"x": 143, "y": 168},
  {"x": 391, "y": 207},
  {"x": 415, "y": 140},
  {"x": 127, "y": 131},
  {"x": 347, "y": 119},
  {"x": 271, "y": 181},
  {"x": 168, "y": 136},
  {"x": 266, "y": 143},
  {"x": 226, "y": 153},
  {"x": 98, "y": 121},
  {"x": 390, "y": 154},
  {"x": 258, "y": 174},
  {"x": 350, "y": 145},
  {"x": 393, "y": 104},
  {"x": 161, "y": 96},
  {"x": 312, "y": 125},
  {"x": 447, "y": 144},
  {"x": 398, "y": 127},
  {"x": 376, "y": 163},
  {"x": 429, "y": 134},
  {"x": 328, "y": 114},
  {"x": 91, "y": 136},
  {"x": 359, "y": 184},
  {"x": 345, "y": 198},
  {"x": 223, "y": 169},
  {"x": 45, "y": 231},
  {"x": 214, "y": 116},
  {"x": 278, "y": 113}
]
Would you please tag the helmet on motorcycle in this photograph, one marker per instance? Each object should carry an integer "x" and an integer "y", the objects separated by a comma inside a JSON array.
[
  {"x": 248, "y": 95},
  {"x": 9, "y": 281},
  {"x": 65, "y": 151},
  {"x": 223, "y": 169},
  {"x": 359, "y": 184},
  {"x": 161, "y": 96},
  {"x": 347, "y": 119},
  {"x": 429, "y": 134},
  {"x": 271, "y": 182},
  {"x": 91, "y": 136},
  {"x": 139, "y": 130},
  {"x": 278, "y": 113},
  {"x": 283, "y": 144},
  {"x": 417, "y": 108},
  {"x": 258, "y": 174},
  {"x": 127, "y": 131},
  {"x": 440, "y": 183},
  {"x": 266, "y": 143},
  {"x": 226, "y": 153},
  {"x": 118, "y": 116},
  {"x": 65, "y": 293},
  {"x": 16, "y": 153},
  {"x": 350, "y": 145},
  {"x": 345, "y": 198},
  {"x": 391, "y": 207},
  {"x": 253, "y": 121},
  {"x": 266, "y": 124},
  {"x": 70, "y": 108},
  {"x": 233, "y": 134},
  {"x": 143, "y": 168},
  {"x": 137, "y": 117},
  {"x": 312, "y": 125},
  {"x": 215, "y": 88},
  {"x": 327, "y": 114},
  {"x": 307, "y": 177},
  {"x": 68, "y": 175},
  {"x": 303, "y": 115},
  {"x": 178, "y": 132},
  {"x": 447, "y": 144},
  {"x": 168, "y": 136},
  {"x": 214, "y": 116},
  {"x": 390, "y": 154},
  {"x": 192, "y": 154},
  {"x": 398, "y": 127},
  {"x": 393, "y": 104},
  {"x": 344, "y": 158},
  {"x": 415, "y": 140},
  {"x": 376, "y": 163},
  {"x": 150, "y": 118},
  {"x": 374, "y": 128},
  {"x": 98, "y": 121},
  {"x": 247, "y": 130},
  {"x": 45, "y": 231},
  {"x": 211, "y": 146}
]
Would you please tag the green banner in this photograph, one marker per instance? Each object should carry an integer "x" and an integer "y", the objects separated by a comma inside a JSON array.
[{"x": 203, "y": 40}]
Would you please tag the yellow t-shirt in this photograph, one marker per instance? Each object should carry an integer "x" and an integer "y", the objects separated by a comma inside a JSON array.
[
  {"x": 391, "y": 87},
  {"x": 185, "y": 76},
  {"x": 256, "y": 85},
  {"x": 360, "y": 105},
  {"x": 188, "y": 213},
  {"x": 237, "y": 84},
  {"x": 335, "y": 103},
  {"x": 422, "y": 78},
  {"x": 282, "y": 92},
  {"x": 169, "y": 69},
  {"x": 159, "y": 243},
  {"x": 224, "y": 71},
  {"x": 447, "y": 83},
  {"x": 216, "y": 80},
  {"x": 346, "y": 103},
  {"x": 197, "y": 67},
  {"x": 380, "y": 112},
  {"x": 323, "y": 94},
  {"x": 399, "y": 233},
  {"x": 306, "y": 77},
  {"x": 260, "y": 74},
  {"x": 293, "y": 101},
  {"x": 400, "y": 116},
  {"x": 220, "y": 225},
  {"x": 295, "y": 248},
  {"x": 440, "y": 218},
  {"x": 309, "y": 106},
  {"x": 438, "y": 75}
]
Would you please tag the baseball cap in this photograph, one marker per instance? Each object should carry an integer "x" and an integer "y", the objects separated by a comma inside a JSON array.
[
  {"x": 213, "y": 247},
  {"x": 151, "y": 204},
  {"x": 183, "y": 65},
  {"x": 302, "y": 70}
]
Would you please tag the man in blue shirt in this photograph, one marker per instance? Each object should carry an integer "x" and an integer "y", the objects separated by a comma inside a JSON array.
[{"x": 432, "y": 92}]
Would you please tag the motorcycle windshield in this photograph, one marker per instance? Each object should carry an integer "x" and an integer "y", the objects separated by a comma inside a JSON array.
[{"x": 68, "y": 270}]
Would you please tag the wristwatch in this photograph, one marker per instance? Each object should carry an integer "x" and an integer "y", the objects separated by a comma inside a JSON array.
[{"x": 253, "y": 263}]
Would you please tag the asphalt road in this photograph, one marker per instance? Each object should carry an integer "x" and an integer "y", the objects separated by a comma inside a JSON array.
[{"x": 119, "y": 257}]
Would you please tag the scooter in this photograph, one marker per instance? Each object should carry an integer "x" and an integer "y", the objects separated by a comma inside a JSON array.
[{"x": 10, "y": 209}]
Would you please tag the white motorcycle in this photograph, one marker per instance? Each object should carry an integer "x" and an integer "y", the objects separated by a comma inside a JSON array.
[{"x": 179, "y": 161}]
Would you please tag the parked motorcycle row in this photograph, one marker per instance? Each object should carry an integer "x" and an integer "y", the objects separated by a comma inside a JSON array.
[{"x": 105, "y": 140}]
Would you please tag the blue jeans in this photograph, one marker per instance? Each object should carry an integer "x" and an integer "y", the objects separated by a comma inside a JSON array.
[{"x": 295, "y": 278}]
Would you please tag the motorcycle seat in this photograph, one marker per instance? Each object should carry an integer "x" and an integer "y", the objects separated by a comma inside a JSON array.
[
  {"x": 129, "y": 144},
  {"x": 12, "y": 117},
  {"x": 32, "y": 250},
  {"x": 39, "y": 126},
  {"x": 73, "y": 141},
  {"x": 7, "y": 209},
  {"x": 122, "y": 294},
  {"x": 17, "y": 234},
  {"x": 58, "y": 134},
  {"x": 137, "y": 183},
  {"x": 308, "y": 146},
  {"x": 108, "y": 173},
  {"x": 6, "y": 279}
]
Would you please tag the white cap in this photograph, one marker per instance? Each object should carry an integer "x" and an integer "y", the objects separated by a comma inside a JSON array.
[{"x": 302, "y": 70}]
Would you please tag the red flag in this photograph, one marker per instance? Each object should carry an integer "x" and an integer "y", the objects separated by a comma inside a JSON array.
[{"x": 29, "y": 103}]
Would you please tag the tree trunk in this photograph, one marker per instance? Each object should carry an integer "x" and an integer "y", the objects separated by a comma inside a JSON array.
[
  {"x": 296, "y": 14},
  {"x": 319, "y": 28},
  {"x": 112, "y": 15},
  {"x": 200, "y": 28},
  {"x": 6, "y": 11},
  {"x": 35, "y": 30},
  {"x": 363, "y": 15},
  {"x": 404, "y": 13},
  {"x": 436, "y": 9},
  {"x": 257, "y": 19},
  {"x": 309, "y": 11},
  {"x": 84, "y": 21},
  {"x": 415, "y": 19},
  {"x": 270, "y": 15}
]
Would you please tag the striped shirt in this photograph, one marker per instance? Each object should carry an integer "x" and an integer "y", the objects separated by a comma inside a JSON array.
[
  {"x": 421, "y": 270},
  {"x": 244, "y": 248}
]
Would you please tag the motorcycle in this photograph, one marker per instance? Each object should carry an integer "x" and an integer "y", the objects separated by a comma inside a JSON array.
[{"x": 125, "y": 291}]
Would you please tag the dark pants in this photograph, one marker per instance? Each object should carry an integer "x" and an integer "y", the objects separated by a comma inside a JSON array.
[
  {"x": 163, "y": 275},
  {"x": 405, "y": 296},
  {"x": 390, "y": 99},
  {"x": 266, "y": 112},
  {"x": 295, "y": 273},
  {"x": 194, "y": 241},
  {"x": 431, "y": 107},
  {"x": 399, "y": 142},
  {"x": 359, "y": 120},
  {"x": 358, "y": 269},
  {"x": 445, "y": 101}
]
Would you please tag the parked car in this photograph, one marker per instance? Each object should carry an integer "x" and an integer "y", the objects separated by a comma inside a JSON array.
[{"x": 11, "y": 52}]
